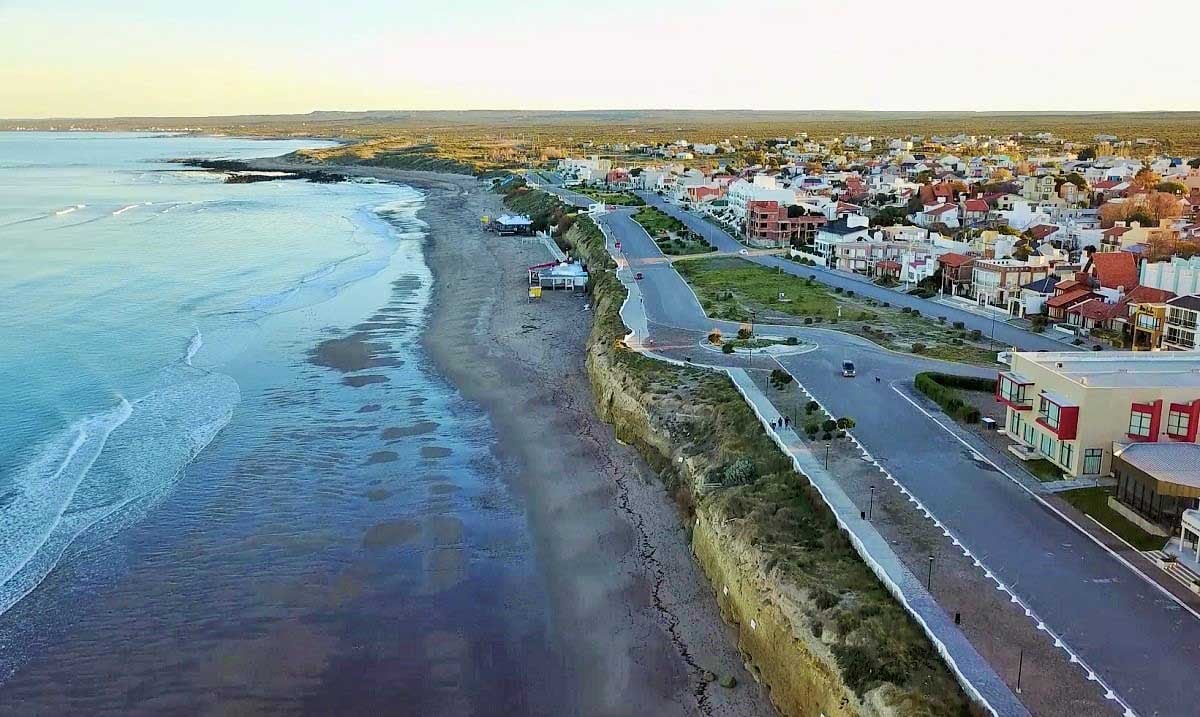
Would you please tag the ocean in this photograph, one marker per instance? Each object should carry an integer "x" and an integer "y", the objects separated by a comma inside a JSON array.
[{"x": 230, "y": 479}]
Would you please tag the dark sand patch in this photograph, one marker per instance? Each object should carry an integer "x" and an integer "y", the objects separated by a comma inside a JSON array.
[
  {"x": 370, "y": 408},
  {"x": 390, "y": 533},
  {"x": 443, "y": 489},
  {"x": 416, "y": 429},
  {"x": 377, "y": 494},
  {"x": 435, "y": 451},
  {"x": 350, "y": 353},
  {"x": 359, "y": 381},
  {"x": 444, "y": 568},
  {"x": 445, "y": 529},
  {"x": 382, "y": 457}
]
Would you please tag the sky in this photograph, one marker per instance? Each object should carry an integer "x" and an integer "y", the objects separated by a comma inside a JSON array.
[{"x": 102, "y": 58}]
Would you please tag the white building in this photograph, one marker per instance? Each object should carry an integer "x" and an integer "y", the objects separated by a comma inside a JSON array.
[{"x": 1181, "y": 276}]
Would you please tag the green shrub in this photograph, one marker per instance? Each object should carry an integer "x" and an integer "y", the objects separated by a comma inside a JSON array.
[
  {"x": 740, "y": 472},
  {"x": 792, "y": 341},
  {"x": 727, "y": 348},
  {"x": 918, "y": 347},
  {"x": 958, "y": 325}
]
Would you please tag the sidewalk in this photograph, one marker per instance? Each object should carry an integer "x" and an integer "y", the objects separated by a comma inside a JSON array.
[{"x": 973, "y": 671}]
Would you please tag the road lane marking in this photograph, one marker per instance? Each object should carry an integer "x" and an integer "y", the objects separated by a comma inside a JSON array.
[{"x": 1055, "y": 510}]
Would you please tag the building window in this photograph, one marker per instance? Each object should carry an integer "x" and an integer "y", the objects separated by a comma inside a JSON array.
[
  {"x": 1049, "y": 411},
  {"x": 1014, "y": 422},
  {"x": 1139, "y": 423},
  {"x": 1046, "y": 446},
  {"x": 1029, "y": 433},
  {"x": 1092, "y": 457},
  {"x": 1178, "y": 423},
  {"x": 1066, "y": 452}
]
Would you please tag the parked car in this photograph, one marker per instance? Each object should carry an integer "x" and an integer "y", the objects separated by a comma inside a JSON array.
[
  {"x": 638, "y": 276},
  {"x": 848, "y": 369},
  {"x": 742, "y": 251}
]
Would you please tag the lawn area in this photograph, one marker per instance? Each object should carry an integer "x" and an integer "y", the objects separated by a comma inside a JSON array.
[
  {"x": 730, "y": 288},
  {"x": 656, "y": 222},
  {"x": 726, "y": 286},
  {"x": 1094, "y": 502},
  {"x": 670, "y": 234},
  {"x": 1043, "y": 470},
  {"x": 623, "y": 199}
]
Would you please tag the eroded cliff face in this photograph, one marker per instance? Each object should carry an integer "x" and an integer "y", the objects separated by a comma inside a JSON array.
[
  {"x": 788, "y": 633},
  {"x": 777, "y": 640}
]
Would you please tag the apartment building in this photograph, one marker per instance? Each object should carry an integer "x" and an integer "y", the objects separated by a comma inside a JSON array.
[
  {"x": 1183, "y": 312},
  {"x": 1075, "y": 409},
  {"x": 772, "y": 224}
]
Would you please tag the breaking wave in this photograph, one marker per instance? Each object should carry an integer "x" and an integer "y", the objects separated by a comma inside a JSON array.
[{"x": 102, "y": 473}]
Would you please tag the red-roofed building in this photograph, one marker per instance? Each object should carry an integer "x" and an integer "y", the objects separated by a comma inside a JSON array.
[
  {"x": 957, "y": 273},
  {"x": 974, "y": 211},
  {"x": 1057, "y": 305},
  {"x": 618, "y": 179},
  {"x": 1112, "y": 270},
  {"x": 1040, "y": 232}
]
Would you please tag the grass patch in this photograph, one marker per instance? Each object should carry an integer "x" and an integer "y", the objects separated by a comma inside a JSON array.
[
  {"x": 730, "y": 288},
  {"x": 945, "y": 389},
  {"x": 622, "y": 199},
  {"x": 1094, "y": 502},
  {"x": 1043, "y": 470},
  {"x": 670, "y": 234}
]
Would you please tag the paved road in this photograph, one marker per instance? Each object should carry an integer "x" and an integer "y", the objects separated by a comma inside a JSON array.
[
  {"x": 1002, "y": 332},
  {"x": 1140, "y": 642}
]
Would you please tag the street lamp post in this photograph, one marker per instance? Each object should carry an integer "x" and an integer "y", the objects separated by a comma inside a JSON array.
[
  {"x": 871, "y": 504},
  {"x": 929, "y": 577},
  {"x": 827, "y": 447}
]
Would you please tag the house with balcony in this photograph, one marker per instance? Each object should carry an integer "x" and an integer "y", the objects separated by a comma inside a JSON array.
[
  {"x": 957, "y": 272},
  {"x": 852, "y": 228},
  {"x": 998, "y": 282},
  {"x": 1182, "y": 317},
  {"x": 1083, "y": 411}
]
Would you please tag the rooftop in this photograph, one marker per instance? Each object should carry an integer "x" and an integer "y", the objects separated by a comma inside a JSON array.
[{"x": 1119, "y": 369}]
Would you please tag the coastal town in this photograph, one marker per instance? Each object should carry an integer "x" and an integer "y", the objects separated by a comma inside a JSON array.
[{"x": 1070, "y": 268}]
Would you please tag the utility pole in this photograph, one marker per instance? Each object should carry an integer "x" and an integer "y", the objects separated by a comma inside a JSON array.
[{"x": 1020, "y": 665}]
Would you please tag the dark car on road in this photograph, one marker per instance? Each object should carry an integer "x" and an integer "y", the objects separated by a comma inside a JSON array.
[{"x": 848, "y": 369}]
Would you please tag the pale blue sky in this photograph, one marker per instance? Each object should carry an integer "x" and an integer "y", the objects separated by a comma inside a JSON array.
[{"x": 131, "y": 57}]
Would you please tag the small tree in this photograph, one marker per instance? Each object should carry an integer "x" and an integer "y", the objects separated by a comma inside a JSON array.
[
  {"x": 727, "y": 348},
  {"x": 811, "y": 407},
  {"x": 845, "y": 423},
  {"x": 828, "y": 425},
  {"x": 714, "y": 336}
]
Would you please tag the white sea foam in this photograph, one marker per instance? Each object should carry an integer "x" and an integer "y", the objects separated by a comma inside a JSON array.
[
  {"x": 101, "y": 474},
  {"x": 44, "y": 490},
  {"x": 193, "y": 346},
  {"x": 124, "y": 209},
  {"x": 70, "y": 209}
]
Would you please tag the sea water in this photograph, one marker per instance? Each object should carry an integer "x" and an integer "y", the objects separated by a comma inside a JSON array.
[{"x": 229, "y": 477}]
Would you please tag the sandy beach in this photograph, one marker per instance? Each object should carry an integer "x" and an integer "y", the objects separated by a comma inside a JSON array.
[{"x": 634, "y": 620}]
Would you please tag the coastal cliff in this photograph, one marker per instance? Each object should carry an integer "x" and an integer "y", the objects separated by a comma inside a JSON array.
[{"x": 814, "y": 624}]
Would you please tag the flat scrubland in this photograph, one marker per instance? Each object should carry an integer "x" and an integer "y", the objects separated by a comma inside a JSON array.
[{"x": 488, "y": 140}]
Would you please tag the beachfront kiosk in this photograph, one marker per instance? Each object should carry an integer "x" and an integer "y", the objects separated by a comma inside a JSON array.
[{"x": 558, "y": 275}]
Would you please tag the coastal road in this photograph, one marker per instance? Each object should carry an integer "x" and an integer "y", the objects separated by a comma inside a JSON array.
[
  {"x": 1140, "y": 642},
  {"x": 1003, "y": 332}
]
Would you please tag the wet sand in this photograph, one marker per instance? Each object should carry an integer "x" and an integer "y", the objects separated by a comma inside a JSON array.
[{"x": 634, "y": 622}]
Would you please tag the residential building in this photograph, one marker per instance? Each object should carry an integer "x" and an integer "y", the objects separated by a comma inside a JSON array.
[
  {"x": 771, "y": 224},
  {"x": 1178, "y": 275},
  {"x": 957, "y": 271},
  {"x": 851, "y": 228},
  {"x": 1183, "y": 315},
  {"x": 1075, "y": 408},
  {"x": 998, "y": 281}
]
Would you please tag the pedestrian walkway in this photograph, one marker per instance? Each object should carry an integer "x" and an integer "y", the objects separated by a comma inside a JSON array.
[{"x": 973, "y": 672}]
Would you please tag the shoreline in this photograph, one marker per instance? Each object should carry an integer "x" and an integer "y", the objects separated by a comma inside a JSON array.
[{"x": 610, "y": 545}]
